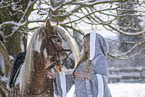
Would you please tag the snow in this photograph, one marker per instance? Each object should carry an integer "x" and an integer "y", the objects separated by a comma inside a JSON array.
[
  {"x": 122, "y": 90},
  {"x": 3, "y": 79},
  {"x": 11, "y": 57},
  {"x": 93, "y": 3},
  {"x": 127, "y": 89},
  {"x": 16, "y": 27},
  {"x": 26, "y": 10},
  {"x": 2, "y": 66},
  {"x": 13, "y": 22},
  {"x": 22, "y": 43}
]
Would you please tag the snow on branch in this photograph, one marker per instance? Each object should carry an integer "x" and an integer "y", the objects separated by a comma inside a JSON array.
[
  {"x": 16, "y": 26},
  {"x": 131, "y": 53},
  {"x": 26, "y": 10},
  {"x": 131, "y": 50},
  {"x": 4, "y": 53},
  {"x": 102, "y": 22},
  {"x": 4, "y": 4},
  {"x": 81, "y": 18},
  {"x": 55, "y": 8},
  {"x": 22, "y": 20},
  {"x": 12, "y": 23},
  {"x": 94, "y": 3},
  {"x": 127, "y": 56},
  {"x": 74, "y": 29},
  {"x": 120, "y": 31},
  {"x": 125, "y": 33},
  {"x": 36, "y": 20}
]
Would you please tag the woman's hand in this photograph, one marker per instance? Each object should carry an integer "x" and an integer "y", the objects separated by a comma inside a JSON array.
[
  {"x": 73, "y": 73},
  {"x": 50, "y": 75},
  {"x": 80, "y": 74}
]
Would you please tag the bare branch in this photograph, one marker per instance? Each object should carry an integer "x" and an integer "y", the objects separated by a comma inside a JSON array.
[
  {"x": 5, "y": 54},
  {"x": 126, "y": 57},
  {"x": 66, "y": 26},
  {"x": 16, "y": 26},
  {"x": 88, "y": 4}
]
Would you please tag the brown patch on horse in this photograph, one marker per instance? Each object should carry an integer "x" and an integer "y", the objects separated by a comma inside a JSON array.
[
  {"x": 39, "y": 80},
  {"x": 42, "y": 33}
]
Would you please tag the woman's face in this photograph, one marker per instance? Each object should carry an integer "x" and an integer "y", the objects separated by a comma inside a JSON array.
[{"x": 86, "y": 45}]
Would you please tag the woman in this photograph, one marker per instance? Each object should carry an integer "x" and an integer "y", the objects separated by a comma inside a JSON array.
[{"x": 91, "y": 74}]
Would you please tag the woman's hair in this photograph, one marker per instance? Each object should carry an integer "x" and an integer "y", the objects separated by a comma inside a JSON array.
[
  {"x": 87, "y": 35},
  {"x": 85, "y": 55}
]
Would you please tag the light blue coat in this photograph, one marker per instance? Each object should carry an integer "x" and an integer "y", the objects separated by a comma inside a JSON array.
[{"x": 97, "y": 87}]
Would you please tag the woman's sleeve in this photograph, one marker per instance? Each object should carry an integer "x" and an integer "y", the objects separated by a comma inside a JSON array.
[
  {"x": 100, "y": 87},
  {"x": 62, "y": 84},
  {"x": 99, "y": 72},
  {"x": 99, "y": 66}
]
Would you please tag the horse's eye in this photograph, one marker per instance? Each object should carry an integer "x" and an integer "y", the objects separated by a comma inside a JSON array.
[{"x": 58, "y": 40}]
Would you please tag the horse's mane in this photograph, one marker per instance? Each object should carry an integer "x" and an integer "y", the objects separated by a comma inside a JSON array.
[
  {"x": 28, "y": 63},
  {"x": 72, "y": 44}
]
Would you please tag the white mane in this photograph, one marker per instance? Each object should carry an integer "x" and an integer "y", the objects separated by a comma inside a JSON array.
[{"x": 28, "y": 67}]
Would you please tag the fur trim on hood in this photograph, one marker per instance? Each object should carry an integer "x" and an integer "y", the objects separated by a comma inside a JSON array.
[{"x": 98, "y": 45}]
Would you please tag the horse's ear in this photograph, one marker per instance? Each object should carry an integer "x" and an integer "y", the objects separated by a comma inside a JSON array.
[
  {"x": 48, "y": 25},
  {"x": 57, "y": 23}
]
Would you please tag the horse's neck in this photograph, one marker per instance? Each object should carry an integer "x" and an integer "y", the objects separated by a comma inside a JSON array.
[
  {"x": 39, "y": 80},
  {"x": 38, "y": 63}
]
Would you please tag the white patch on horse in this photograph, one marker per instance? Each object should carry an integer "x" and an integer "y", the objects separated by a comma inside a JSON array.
[
  {"x": 45, "y": 54},
  {"x": 19, "y": 79},
  {"x": 38, "y": 44}
]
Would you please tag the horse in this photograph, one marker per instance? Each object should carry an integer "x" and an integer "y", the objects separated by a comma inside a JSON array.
[{"x": 44, "y": 55}]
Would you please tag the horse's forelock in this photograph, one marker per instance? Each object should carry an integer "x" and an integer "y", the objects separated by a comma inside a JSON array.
[{"x": 41, "y": 31}]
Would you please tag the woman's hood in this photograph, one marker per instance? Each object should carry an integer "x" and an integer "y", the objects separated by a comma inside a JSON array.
[{"x": 98, "y": 45}]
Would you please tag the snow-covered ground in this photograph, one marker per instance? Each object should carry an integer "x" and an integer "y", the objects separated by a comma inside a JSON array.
[
  {"x": 123, "y": 90},
  {"x": 127, "y": 89}
]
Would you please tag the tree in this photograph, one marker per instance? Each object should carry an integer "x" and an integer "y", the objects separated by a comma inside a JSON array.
[
  {"x": 128, "y": 21},
  {"x": 13, "y": 26},
  {"x": 130, "y": 15},
  {"x": 73, "y": 13}
]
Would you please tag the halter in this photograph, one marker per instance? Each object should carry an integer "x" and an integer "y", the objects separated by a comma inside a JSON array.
[{"x": 56, "y": 51}]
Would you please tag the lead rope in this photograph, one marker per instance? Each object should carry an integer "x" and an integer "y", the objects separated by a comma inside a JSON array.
[{"x": 13, "y": 92}]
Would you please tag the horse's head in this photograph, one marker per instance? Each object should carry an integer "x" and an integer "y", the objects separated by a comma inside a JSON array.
[
  {"x": 51, "y": 46},
  {"x": 45, "y": 49}
]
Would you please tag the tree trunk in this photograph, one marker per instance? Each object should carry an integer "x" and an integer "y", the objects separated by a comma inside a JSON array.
[{"x": 12, "y": 38}]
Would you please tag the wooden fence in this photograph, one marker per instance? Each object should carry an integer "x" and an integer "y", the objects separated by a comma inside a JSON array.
[{"x": 127, "y": 74}]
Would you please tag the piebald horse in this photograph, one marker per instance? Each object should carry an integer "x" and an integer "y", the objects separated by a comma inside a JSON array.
[
  {"x": 44, "y": 57},
  {"x": 45, "y": 49}
]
